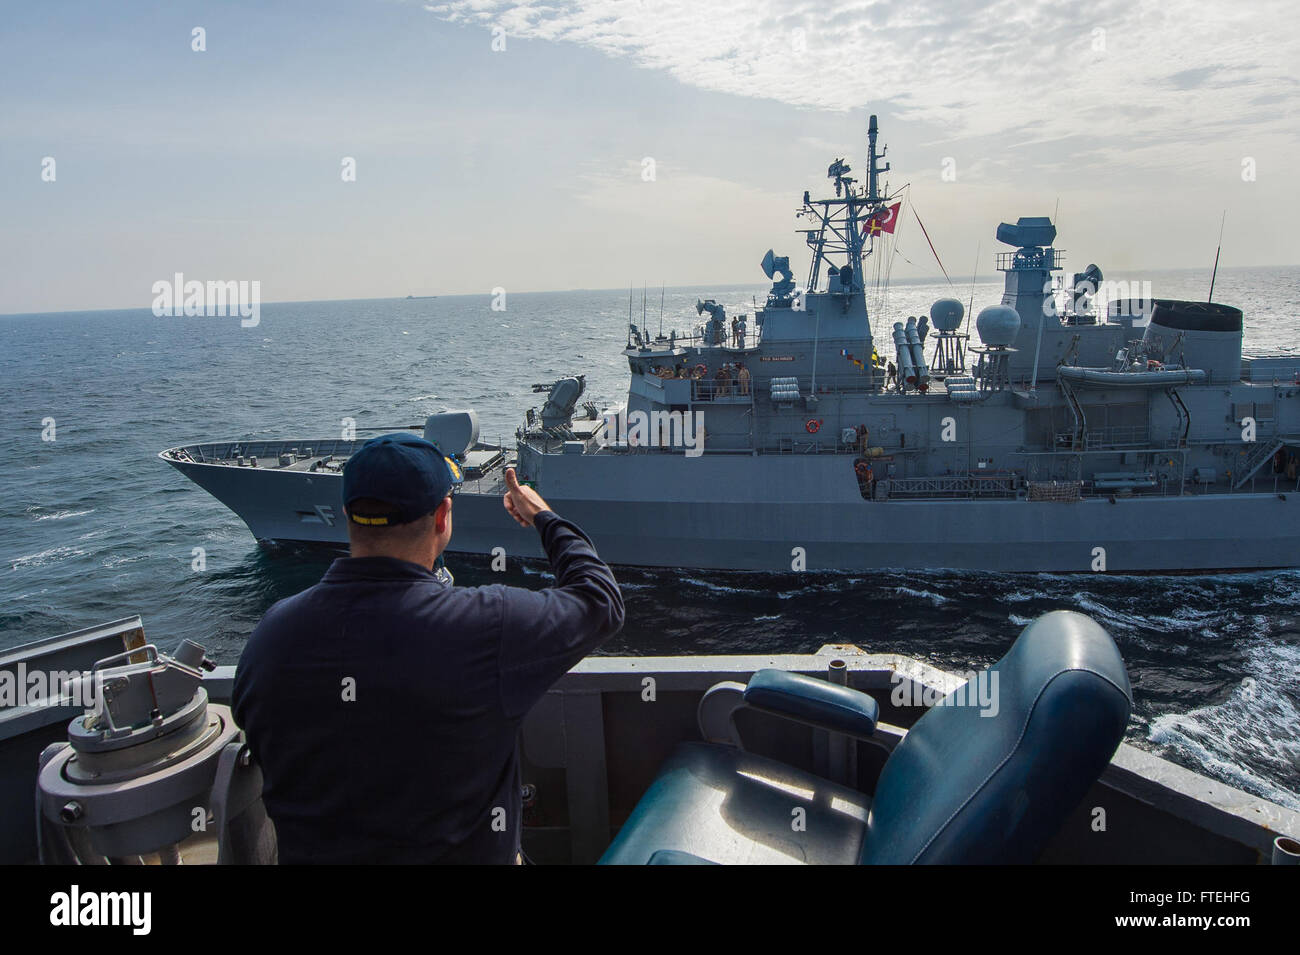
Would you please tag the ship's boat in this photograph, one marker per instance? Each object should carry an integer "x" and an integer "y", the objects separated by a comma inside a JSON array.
[
  {"x": 841, "y": 756},
  {"x": 1080, "y": 427}
]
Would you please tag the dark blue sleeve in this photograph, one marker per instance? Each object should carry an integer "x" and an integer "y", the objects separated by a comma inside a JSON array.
[{"x": 545, "y": 632}]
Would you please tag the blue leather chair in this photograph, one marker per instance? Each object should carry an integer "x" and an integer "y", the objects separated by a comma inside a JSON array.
[{"x": 961, "y": 787}]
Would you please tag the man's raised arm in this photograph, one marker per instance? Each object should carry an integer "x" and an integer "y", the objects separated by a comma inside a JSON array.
[{"x": 546, "y": 632}]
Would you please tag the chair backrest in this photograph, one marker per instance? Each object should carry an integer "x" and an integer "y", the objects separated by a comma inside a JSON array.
[{"x": 969, "y": 788}]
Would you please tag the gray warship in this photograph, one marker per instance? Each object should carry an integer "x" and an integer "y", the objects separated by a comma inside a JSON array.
[{"x": 1080, "y": 433}]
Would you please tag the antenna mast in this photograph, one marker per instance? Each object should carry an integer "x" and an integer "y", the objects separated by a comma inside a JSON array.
[
  {"x": 839, "y": 219},
  {"x": 873, "y": 172},
  {"x": 1215, "y": 273}
]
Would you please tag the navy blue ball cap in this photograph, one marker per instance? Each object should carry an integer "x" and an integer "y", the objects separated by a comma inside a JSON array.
[{"x": 405, "y": 472}]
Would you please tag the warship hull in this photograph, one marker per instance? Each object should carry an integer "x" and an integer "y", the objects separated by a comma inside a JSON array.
[{"x": 650, "y": 510}]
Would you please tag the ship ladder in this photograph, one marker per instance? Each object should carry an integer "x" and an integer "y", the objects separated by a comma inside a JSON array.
[{"x": 1263, "y": 451}]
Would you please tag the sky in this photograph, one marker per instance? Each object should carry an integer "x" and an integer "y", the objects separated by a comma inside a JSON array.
[{"x": 503, "y": 144}]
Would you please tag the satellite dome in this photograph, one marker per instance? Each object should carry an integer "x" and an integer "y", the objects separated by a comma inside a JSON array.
[
  {"x": 946, "y": 313},
  {"x": 997, "y": 325}
]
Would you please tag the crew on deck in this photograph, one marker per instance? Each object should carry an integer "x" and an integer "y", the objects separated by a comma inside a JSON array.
[{"x": 722, "y": 381}]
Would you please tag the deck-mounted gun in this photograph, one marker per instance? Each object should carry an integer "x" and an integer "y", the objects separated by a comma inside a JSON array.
[
  {"x": 1084, "y": 286},
  {"x": 715, "y": 330},
  {"x": 562, "y": 398}
]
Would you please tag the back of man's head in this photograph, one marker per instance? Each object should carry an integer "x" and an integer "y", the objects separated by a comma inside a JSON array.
[{"x": 397, "y": 496}]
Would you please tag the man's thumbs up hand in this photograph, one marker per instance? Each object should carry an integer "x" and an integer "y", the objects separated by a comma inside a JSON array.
[{"x": 523, "y": 503}]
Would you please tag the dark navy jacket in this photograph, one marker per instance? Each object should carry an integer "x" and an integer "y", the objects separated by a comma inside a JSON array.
[{"x": 383, "y": 706}]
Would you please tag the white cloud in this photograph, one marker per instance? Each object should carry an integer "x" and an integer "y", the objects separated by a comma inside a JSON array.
[{"x": 1148, "y": 71}]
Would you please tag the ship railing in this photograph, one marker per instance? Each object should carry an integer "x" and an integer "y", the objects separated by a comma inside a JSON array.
[
  {"x": 1030, "y": 259},
  {"x": 1011, "y": 485},
  {"x": 796, "y": 446},
  {"x": 1117, "y": 437},
  {"x": 1000, "y": 485},
  {"x": 269, "y": 451},
  {"x": 1112, "y": 439},
  {"x": 225, "y": 452},
  {"x": 1267, "y": 482},
  {"x": 492, "y": 482},
  {"x": 711, "y": 389},
  {"x": 697, "y": 339}
]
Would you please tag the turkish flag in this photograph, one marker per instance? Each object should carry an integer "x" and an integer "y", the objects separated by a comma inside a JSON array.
[{"x": 882, "y": 221}]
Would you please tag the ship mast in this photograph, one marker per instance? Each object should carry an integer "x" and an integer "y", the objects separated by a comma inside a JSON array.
[{"x": 839, "y": 220}]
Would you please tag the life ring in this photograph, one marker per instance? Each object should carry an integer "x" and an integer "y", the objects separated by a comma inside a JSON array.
[
  {"x": 813, "y": 426},
  {"x": 701, "y": 370},
  {"x": 862, "y": 469}
]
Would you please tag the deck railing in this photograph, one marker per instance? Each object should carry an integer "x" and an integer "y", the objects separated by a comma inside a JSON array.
[
  {"x": 1003, "y": 485},
  {"x": 268, "y": 451}
]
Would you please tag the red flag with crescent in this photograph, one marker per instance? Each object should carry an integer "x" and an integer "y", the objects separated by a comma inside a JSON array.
[{"x": 882, "y": 221}]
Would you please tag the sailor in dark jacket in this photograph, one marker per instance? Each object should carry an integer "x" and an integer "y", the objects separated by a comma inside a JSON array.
[{"x": 382, "y": 704}]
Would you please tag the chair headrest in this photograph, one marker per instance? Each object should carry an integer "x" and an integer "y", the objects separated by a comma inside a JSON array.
[{"x": 990, "y": 774}]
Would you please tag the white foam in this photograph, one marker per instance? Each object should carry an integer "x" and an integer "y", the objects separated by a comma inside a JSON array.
[
  {"x": 1255, "y": 725},
  {"x": 1128, "y": 621},
  {"x": 716, "y": 588},
  {"x": 53, "y": 555},
  {"x": 58, "y": 515},
  {"x": 937, "y": 599}
]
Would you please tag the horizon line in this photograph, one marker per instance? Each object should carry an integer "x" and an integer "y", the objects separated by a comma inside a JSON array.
[{"x": 489, "y": 293}]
